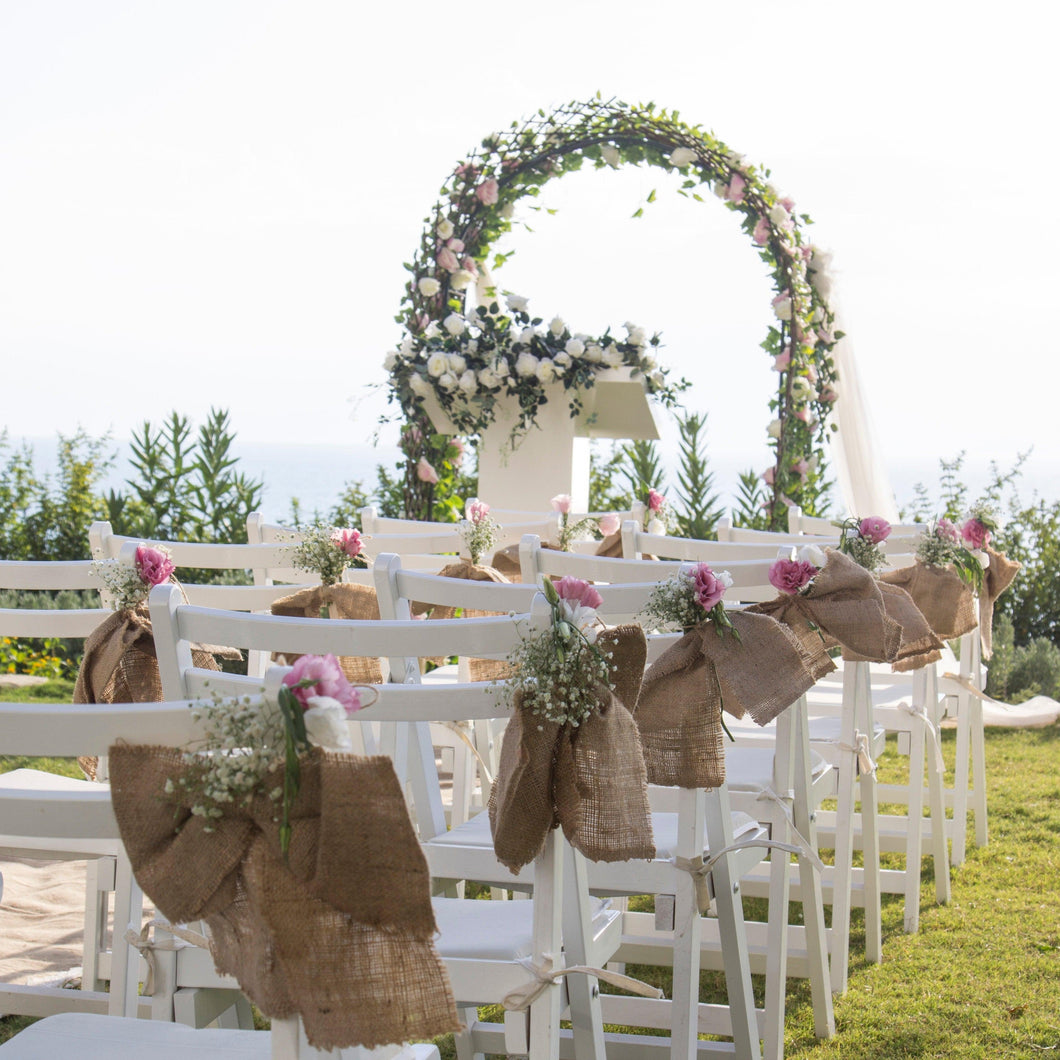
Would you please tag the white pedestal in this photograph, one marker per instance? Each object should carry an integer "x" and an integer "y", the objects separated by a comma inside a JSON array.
[{"x": 553, "y": 456}]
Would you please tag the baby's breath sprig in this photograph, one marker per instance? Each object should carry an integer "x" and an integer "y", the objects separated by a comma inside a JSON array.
[
  {"x": 327, "y": 551},
  {"x": 479, "y": 530},
  {"x": 690, "y": 598},
  {"x": 941, "y": 546},
  {"x": 862, "y": 540}
]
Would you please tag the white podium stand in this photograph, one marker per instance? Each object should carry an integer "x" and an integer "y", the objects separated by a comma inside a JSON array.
[{"x": 553, "y": 456}]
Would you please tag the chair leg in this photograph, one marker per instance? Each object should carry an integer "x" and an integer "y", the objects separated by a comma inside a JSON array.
[
  {"x": 582, "y": 990},
  {"x": 960, "y": 779},
  {"x": 844, "y": 838},
  {"x": 125, "y": 960},
  {"x": 548, "y": 916},
  {"x": 99, "y": 883},
  {"x": 982, "y": 836},
  {"x": 940, "y": 854},
  {"x": 688, "y": 928},
  {"x": 914, "y": 827},
  {"x": 870, "y": 828}
]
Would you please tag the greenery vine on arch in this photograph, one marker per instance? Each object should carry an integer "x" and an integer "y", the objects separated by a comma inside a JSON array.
[{"x": 477, "y": 207}]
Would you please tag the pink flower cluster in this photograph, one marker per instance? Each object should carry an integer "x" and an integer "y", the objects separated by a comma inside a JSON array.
[
  {"x": 655, "y": 501},
  {"x": 561, "y": 503},
  {"x": 577, "y": 592},
  {"x": 709, "y": 588},
  {"x": 609, "y": 524},
  {"x": 477, "y": 511},
  {"x": 153, "y": 565},
  {"x": 348, "y": 541},
  {"x": 321, "y": 675},
  {"x": 945, "y": 530},
  {"x": 425, "y": 472},
  {"x": 874, "y": 529},
  {"x": 791, "y": 575},
  {"x": 974, "y": 534}
]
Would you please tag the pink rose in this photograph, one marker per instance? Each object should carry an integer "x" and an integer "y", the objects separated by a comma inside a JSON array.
[
  {"x": 348, "y": 541},
  {"x": 326, "y": 679},
  {"x": 975, "y": 535},
  {"x": 788, "y": 204},
  {"x": 790, "y": 575},
  {"x": 456, "y": 245},
  {"x": 709, "y": 587},
  {"x": 561, "y": 503},
  {"x": 762, "y": 231},
  {"x": 782, "y": 359},
  {"x": 470, "y": 265},
  {"x": 945, "y": 530},
  {"x": 447, "y": 260},
  {"x": 477, "y": 511},
  {"x": 828, "y": 394},
  {"x": 153, "y": 565},
  {"x": 874, "y": 529},
  {"x": 737, "y": 186},
  {"x": 426, "y": 473},
  {"x": 769, "y": 476},
  {"x": 487, "y": 192},
  {"x": 609, "y": 524},
  {"x": 655, "y": 501},
  {"x": 577, "y": 592},
  {"x": 802, "y": 414},
  {"x": 411, "y": 437}
]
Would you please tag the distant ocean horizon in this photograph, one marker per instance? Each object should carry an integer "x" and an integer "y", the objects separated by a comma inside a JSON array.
[{"x": 317, "y": 474}]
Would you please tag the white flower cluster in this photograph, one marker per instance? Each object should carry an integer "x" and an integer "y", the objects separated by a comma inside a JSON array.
[
  {"x": 320, "y": 553},
  {"x": 122, "y": 582}
]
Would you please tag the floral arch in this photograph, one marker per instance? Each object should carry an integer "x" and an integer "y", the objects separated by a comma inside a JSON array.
[{"x": 477, "y": 207}]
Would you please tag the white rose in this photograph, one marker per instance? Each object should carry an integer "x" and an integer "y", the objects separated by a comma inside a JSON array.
[
  {"x": 437, "y": 363},
  {"x": 487, "y": 378},
  {"x": 432, "y": 330},
  {"x": 647, "y": 362},
  {"x": 779, "y": 215},
  {"x": 561, "y": 360},
  {"x": 820, "y": 260},
  {"x": 507, "y": 211},
  {"x": 782, "y": 308},
  {"x": 390, "y": 361},
  {"x": 656, "y": 527},
  {"x": 460, "y": 279},
  {"x": 818, "y": 314},
  {"x": 557, "y": 326},
  {"x": 454, "y": 324},
  {"x": 594, "y": 354},
  {"x": 723, "y": 578},
  {"x": 812, "y": 554},
  {"x": 773, "y": 430},
  {"x": 546, "y": 370},
  {"x": 526, "y": 336},
  {"x": 657, "y": 380},
  {"x": 447, "y": 381},
  {"x": 575, "y": 347},
  {"x": 456, "y": 363},
  {"x": 681, "y": 157},
  {"x": 801, "y": 389},
  {"x": 637, "y": 336},
  {"x": 471, "y": 347},
  {"x": 468, "y": 383},
  {"x": 325, "y": 724},
  {"x": 526, "y": 365},
  {"x": 405, "y": 347},
  {"x": 445, "y": 229},
  {"x": 428, "y": 286},
  {"x": 419, "y": 386},
  {"x": 611, "y": 155},
  {"x": 612, "y": 357},
  {"x": 822, "y": 283},
  {"x": 517, "y": 303},
  {"x": 501, "y": 367}
]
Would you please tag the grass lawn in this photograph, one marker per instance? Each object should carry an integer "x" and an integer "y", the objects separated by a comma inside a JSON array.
[{"x": 981, "y": 980}]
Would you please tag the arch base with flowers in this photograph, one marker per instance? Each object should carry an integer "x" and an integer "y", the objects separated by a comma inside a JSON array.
[{"x": 509, "y": 354}]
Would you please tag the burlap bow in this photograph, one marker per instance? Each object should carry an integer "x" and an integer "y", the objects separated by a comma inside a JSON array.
[
  {"x": 590, "y": 780},
  {"x": 943, "y": 597},
  {"x": 918, "y": 645},
  {"x": 339, "y": 933},
  {"x": 997, "y": 578},
  {"x": 343, "y": 601},
  {"x": 686, "y": 688},
  {"x": 843, "y": 605}
]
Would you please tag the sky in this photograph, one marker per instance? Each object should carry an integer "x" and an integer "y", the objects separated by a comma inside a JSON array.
[{"x": 208, "y": 203}]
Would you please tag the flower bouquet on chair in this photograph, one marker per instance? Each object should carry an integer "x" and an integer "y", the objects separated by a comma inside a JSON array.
[{"x": 571, "y": 755}]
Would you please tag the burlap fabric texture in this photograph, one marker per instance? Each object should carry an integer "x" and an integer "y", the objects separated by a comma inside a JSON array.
[
  {"x": 340, "y": 933},
  {"x": 343, "y": 601},
  {"x": 918, "y": 645},
  {"x": 944, "y": 599},
  {"x": 997, "y": 578},
  {"x": 120, "y": 665},
  {"x": 590, "y": 779},
  {"x": 687, "y": 687},
  {"x": 843, "y": 605}
]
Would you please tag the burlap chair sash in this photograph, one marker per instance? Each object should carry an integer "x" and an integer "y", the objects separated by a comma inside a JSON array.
[
  {"x": 688, "y": 686},
  {"x": 918, "y": 645},
  {"x": 944, "y": 599},
  {"x": 845, "y": 604},
  {"x": 997, "y": 578},
  {"x": 343, "y": 601},
  {"x": 339, "y": 933},
  {"x": 590, "y": 779}
]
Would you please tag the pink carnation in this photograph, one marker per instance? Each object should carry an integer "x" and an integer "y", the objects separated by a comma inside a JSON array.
[
  {"x": 737, "y": 186},
  {"x": 762, "y": 231},
  {"x": 561, "y": 503},
  {"x": 477, "y": 511},
  {"x": 782, "y": 359},
  {"x": 709, "y": 587},
  {"x": 487, "y": 192},
  {"x": 153, "y": 565},
  {"x": 456, "y": 245},
  {"x": 425, "y": 472},
  {"x": 975, "y": 535},
  {"x": 577, "y": 592},
  {"x": 874, "y": 529},
  {"x": 326, "y": 679},
  {"x": 609, "y": 524},
  {"x": 790, "y": 575},
  {"x": 447, "y": 260},
  {"x": 655, "y": 501},
  {"x": 348, "y": 541}
]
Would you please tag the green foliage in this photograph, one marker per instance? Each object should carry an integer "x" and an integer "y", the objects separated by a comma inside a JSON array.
[
  {"x": 346, "y": 511},
  {"x": 1032, "y": 537},
  {"x": 1017, "y": 674},
  {"x": 752, "y": 500},
  {"x": 46, "y": 519},
  {"x": 701, "y": 508},
  {"x": 642, "y": 469},
  {"x": 604, "y": 468},
  {"x": 184, "y": 488}
]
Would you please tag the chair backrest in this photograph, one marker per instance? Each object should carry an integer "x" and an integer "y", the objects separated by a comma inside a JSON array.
[
  {"x": 637, "y": 543},
  {"x": 798, "y": 523},
  {"x": 47, "y": 576}
]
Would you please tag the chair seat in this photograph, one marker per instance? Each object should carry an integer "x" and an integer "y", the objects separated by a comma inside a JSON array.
[
  {"x": 90, "y": 1037},
  {"x": 750, "y": 769}
]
